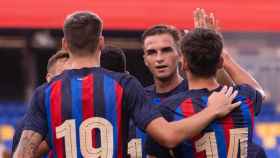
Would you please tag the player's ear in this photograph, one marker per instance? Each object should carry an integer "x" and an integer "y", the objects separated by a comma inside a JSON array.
[
  {"x": 185, "y": 66},
  {"x": 101, "y": 42},
  {"x": 180, "y": 58},
  {"x": 65, "y": 45},
  {"x": 48, "y": 77},
  {"x": 221, "y": 63},
  {"x": 144, "y": 58}
]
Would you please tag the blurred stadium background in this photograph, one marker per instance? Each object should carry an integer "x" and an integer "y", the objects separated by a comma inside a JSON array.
[{"x": 30, "y": 32}]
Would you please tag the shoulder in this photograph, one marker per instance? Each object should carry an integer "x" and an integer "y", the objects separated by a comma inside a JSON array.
[
  {"x": 40, "y": 90},
  {"x": 246, "y": 90},
  {"x": 120, "y": 77},
  {"x": 175, "y": 100},
  {"x": 150, "y": 90}
]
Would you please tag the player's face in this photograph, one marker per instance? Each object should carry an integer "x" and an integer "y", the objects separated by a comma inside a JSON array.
[{"x": 161, "y": 56}]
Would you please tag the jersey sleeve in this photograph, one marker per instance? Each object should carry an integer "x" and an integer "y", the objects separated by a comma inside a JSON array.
[
  {"x": 18, "y": 130},
  {"x": 167, "y": 108},
  {"x": 253, "y": 95},
  {"x": 35, "y": 118},
  {"x": 141, "y": 112}
]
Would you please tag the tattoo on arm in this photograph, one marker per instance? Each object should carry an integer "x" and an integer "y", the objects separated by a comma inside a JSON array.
[{"x": 28, "y": 144}]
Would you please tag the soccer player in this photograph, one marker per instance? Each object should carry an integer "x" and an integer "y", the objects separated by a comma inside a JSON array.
[
  {"x": 226, "y": 137},
  {"x": 162, "y": 57},
  {"x": 202, "y": 20},
  {"x": 89, "y": 107},
  {"x": 56, "y": 64}
]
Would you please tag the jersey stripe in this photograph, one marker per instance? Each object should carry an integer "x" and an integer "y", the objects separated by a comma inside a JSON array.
[
  {"x": 249, "y": 102},
  {"x": 245, "y": 108},
  {"x": 48, "y": 110},
  {"x": 188, "y": 152},
  {"x": 227, "y": 124},
  {"x": 119, "y": 95},
  {"x": 56, "y": 116},
  {"x": 111, "y": 114},
  {"x": 77, "y": 109},
  {"x": 88, "y": 101},
  {"x": 188, "y": 110},
  {"x": 219, "y": 133}
]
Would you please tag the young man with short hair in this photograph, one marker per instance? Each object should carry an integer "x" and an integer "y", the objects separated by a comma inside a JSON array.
[{"x": 56, "y": 65}]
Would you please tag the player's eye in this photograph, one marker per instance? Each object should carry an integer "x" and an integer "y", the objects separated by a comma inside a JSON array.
[
  {"x": 151, "y": 51},
  {"x": 167, "y": 49}
]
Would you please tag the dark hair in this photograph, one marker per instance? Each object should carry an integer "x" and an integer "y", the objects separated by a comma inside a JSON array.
[
  {"x": 202, "y": 48},
  {"x": 114, "y": 59},
  {"x": 82, "y": 31},
  {"x": 163, "y": 29},
  {"x": 54, "y": 58}
]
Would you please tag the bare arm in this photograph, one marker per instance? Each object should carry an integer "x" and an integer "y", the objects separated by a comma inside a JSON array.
[
  {"x": 232, "y": 72},
  {"x": 170, "y": 134},
  {"x": 202, "y": 20},
  {"x": 240, "y": 75},
  {"x": 223, "y": 78},
  {"x": 28, "y": 144}
]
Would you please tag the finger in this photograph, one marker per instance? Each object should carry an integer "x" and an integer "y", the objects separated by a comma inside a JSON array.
[
  {"x": 234, "y": 94},
  {"x": 224, "y": 89},
  {"x": 212, "y": 19},
  {"x": 200, "y": 17},
  {"x": 186, "y": 31},
  {"x": 217, "y": 25},
  {"x": 203, "y": 18},
  {"x": 229, "y": 91},
  {"x": 207, "y": 21},
  {"x": 196, "y": 18},
  {"x": 234, "y": 105}
]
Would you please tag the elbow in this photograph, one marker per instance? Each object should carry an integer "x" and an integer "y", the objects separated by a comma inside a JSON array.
[{"x": 263, "y": 94}]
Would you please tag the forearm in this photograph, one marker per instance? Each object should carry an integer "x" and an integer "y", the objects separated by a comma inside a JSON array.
[
  {"x": 240, "y": 75},
  {"x": 28, "y": 144},
  {"x": 191, "y": 126},
  {"x": 223, "y": 78},
  {"x": 170, "y": 134}
]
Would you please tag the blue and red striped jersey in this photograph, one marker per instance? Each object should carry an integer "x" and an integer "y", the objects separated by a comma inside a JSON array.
[
  {"x": 154, "y": 99},
  {"x": 225, "y": 137},
  {"x": 86, "y": 112}
]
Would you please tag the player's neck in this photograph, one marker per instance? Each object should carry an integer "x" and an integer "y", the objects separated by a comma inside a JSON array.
[
  {"x": 201, "y": 83},
  {"x": 86, "y": 61},
  {"x": 164, "y": 86}
]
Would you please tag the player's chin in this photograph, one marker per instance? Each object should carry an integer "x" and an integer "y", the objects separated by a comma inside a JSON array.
[{"x": 163, "y": 76}]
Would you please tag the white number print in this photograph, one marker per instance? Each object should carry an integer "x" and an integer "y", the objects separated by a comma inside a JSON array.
[
  {"x": 135, "y": 148},
  {"x": 238, "y": 136},
  {"x": 207, "y": 143},
  {"x": 68, "y": 130}
]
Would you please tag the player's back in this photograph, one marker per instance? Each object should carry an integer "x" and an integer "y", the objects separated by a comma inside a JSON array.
[
  {"x": 88, "y": 111},
  {"x": 223, "y": 138}
]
